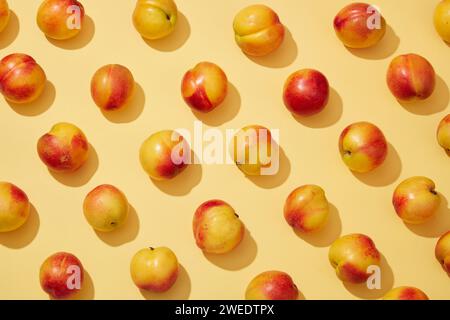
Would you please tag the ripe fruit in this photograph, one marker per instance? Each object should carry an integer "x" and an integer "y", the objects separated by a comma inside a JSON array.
[
  {"x": 443, "y": 133},
  {"x": 4, "y": 14},
  {"x": 60, "y": 19},
  {"x": 442, "y": 251},
  {"x": 442, "y": 20},
  {"x": 61, "y": 275},
  {"x": 306, "y": 92},
  {"x": 22, "y": 80},
  {"x": 112, "y": 86},
  {"x": 359, "y": 25},
  {"x": 411, "y": 77},
  {"x": 252, "y": 149},
  {"x": 306, "y": 208},
  {"x": 258, "y": 30},
  {"x": 415, "y": 200},
  {"x": 352, "y": 255},
  {"x": 64, "y": 149},
  {"x": 154, "y": 269},
  {"x": 105, "y": 208},
  {"x": 14, "y": 207},
  {"x": 363, "y": 147},
  {"x": 272, "y": 285},
  {"x": 217, "y": 228},
  {"x": 405, "y": 293},
  {"x": 204, "y": 87},
  {"x": 155, "y": 19},
  {"x": 164, "y": 155}
]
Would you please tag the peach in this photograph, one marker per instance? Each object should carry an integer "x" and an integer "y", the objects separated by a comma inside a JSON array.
[
  {"x": 14, "y": 207},
  {"x": 443, "y": 133},
  {"x": 112, "y": 86},
  {"x": 217, "y": 228},
  {"x": 164, "y": 155},
  {"x": 442, "y": 20},
  {"x": 306, "y": 92},
  {"x": 258, "y": 30},
  {"x": 61, "y": 275},
  {"x": 4, "y": 14},
  {"x": 105, "y": 208},
  {"x": 22, "y": 80},
  {"x": 252, "y": 149},
  {"x": 352, "y": 255},
  {"x": 442, "y": 251},
  {"x": 359, "y": 25},
  {"x": 60, "y": 19},
  {"x": 411, "y": 77},
  {"x": 204, "y": 87},
  {"x": 63, "y": 149},
  {"x": 272, "y": 285},
  {"x": 154, "y": 269},
  {"x": 405, "y": 293},
  {"x": 155, "y": 19},
  {"x": 415, "y": 200},
  {"x": 363, "y": 147},
  {"x": 306, "y": 208}
]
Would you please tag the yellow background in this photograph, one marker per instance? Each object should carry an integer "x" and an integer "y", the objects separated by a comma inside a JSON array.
[{"x": 162, "y": 213}]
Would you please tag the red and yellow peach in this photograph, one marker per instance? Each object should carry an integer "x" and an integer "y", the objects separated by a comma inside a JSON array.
[
  {"x": 60, "y": 19},
  {"x": 272, "y": 285},
  {"x": 204, "y": 87},
  {"x": 63, "y": 149},
  {"x": 411, "y": 77},
  {"x": 14, "y": 207},
  {"x": 155, "y": 19},
  {"x": 258, "y": 30},
  {"x": 112, "y": 86},
  {"x": 443, "y": 133},
  {"x": 442, "y": 251},
  {"x": 352, "y": 255},
  {"x": 359, "y": 25},
  {"x": 405, "y": 293},
  {"x": 415, "y": 200},
  {"x": 154, "y": 269},
  {"x": 306, "y": 92},
  {"x": 4, "y": 14},
  {"x": 363, "y": 147},
  {"x": 442, "y": 20},
  {"x": 22, "y": 80},
  {"x": 105, "y": 208},
  {"x": 217, "y": 228}
]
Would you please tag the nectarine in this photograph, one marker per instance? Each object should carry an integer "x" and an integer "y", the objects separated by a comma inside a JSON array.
[
  {"x": 272, "y": 285},
  {"x": 155, "y": 19},
  {"x": 4, "y": 14},
  {"x": 14, "y": 207},
  {"x": 442, "y": 251}
]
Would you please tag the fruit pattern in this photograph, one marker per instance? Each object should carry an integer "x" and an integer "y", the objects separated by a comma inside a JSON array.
[{"x": 216, "y": 226}]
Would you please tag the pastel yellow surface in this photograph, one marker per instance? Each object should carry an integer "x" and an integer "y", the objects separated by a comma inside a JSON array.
[{"x": 162, "y": 212}]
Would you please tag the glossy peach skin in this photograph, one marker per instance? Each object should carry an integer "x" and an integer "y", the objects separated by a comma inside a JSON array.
[
  {"x": 352, "y": 255},
  {"x": 405, "y": 293},
  {"x": 162, "y": 155},
  {"x": 57, "y": 272},
  {"x": 155, "y": 19},
  {"x": 217, "y": 228},
  {"x": 251, "y": 149},
  {"x": 22, "y": 80},
  {"x": 14, "y": 207},
  {"x": 55, "y": 18},
  {"x": 204, "y": 87},
  {"x": 443, "y": 133},
  {"x": 272, "y": 285},
  {"x": 306, "y": 92},
  {"x": 442, "y": 251},
  {"x": 154, "y": 269},
  {"x": 442, "y": 20},
  {"x": 105, "y": 208},
  {"x": 411, "y": 77},
  {"x": 4, "y": 14},
  {"x": 363, "y": 147},
  {"x": 258, "y": 30},
  {"x": 352, "y": 27},
  {"x": 112, "y": 86},
  {"x": 306, "y": 209},
  {"x": 415, "y": 200},
  {"x": 63, "y": 149}
]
